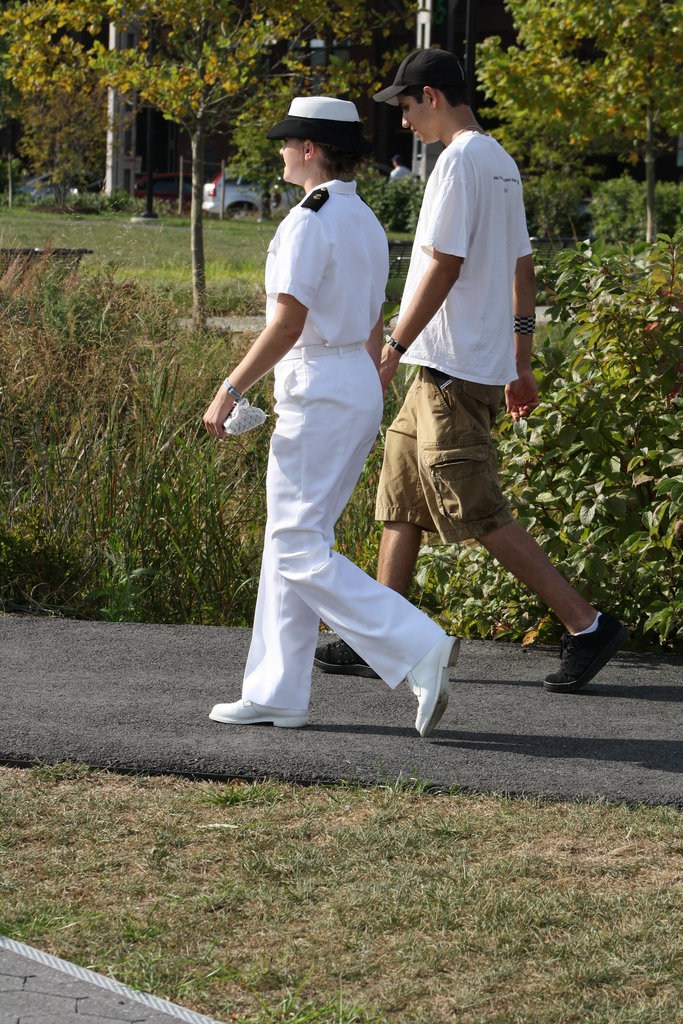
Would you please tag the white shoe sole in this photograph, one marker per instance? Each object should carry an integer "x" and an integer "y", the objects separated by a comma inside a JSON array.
[{"x": 286, "y": 720}]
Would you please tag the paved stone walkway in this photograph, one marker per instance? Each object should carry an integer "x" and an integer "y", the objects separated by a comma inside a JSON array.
[{"x": 36, "y": 988}]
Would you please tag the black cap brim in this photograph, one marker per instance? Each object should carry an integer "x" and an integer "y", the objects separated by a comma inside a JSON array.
[{"x": 389, "y": 94}]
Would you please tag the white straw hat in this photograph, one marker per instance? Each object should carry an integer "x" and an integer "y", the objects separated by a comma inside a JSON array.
[{"x": 323, "y": 119}]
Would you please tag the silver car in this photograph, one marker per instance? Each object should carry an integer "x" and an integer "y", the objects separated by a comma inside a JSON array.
[{"x": 240, "y": 197}]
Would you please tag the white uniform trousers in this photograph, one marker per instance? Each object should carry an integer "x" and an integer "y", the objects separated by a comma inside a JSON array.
[{"x": 329, "y": 408}]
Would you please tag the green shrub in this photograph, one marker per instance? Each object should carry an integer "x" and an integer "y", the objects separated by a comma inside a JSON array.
[
  {"x": 555, "y": 208},
  {"x": 396, "y": 204},
  {"x": 596, "y": 472},
  {"x": 618, "y": 209},
  {"x": 102, "y": 202}
]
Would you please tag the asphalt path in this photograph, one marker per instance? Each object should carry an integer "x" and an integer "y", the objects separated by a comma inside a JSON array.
[{"x": 134, "y": 697}]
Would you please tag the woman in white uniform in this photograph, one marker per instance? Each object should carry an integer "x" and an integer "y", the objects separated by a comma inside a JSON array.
[{"x": 326, "y": 271}]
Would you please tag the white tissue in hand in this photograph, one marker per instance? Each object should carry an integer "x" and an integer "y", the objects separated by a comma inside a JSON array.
[{"x": 244, "y": 417}]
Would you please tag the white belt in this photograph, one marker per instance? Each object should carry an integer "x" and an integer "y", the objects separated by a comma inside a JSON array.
[{"x": 314, "y": 351}]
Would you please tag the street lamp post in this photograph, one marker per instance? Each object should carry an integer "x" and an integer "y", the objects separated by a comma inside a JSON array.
[
  {"x": 470, "y": 46},
  {"x": 149, "y": 213}
]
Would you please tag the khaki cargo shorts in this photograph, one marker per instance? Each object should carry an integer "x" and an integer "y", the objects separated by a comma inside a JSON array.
[{"x": 440, "y": 468}]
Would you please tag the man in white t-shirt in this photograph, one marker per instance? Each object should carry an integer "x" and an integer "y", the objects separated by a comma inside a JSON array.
[
  {"x": 466, "y": 321},
  {"x": 400, "y": 168}
]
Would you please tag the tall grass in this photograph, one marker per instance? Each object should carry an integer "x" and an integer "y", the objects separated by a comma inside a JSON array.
[
  {"x": 113, "y": 501},
  {"x": 115, "y": 504}
]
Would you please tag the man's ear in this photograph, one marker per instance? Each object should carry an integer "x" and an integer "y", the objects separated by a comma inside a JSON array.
[{"x": 431, "y": 95}]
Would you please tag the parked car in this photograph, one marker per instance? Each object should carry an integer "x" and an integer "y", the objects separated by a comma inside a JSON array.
[
  {"x": 240, "y": 196},
  {"x": 284, "y": 196},
  {"x": 165, "y": 187},
  {"x": 41, "y": 186}
]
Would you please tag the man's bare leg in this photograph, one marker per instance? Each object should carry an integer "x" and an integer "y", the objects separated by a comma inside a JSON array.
[
  {"x": 398, "y": 550},
  {"x": 519, "y": 553}
]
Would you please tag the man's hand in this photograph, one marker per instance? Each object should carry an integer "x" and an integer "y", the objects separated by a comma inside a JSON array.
[
  {"x": 388, "y": 366},
  {"x": 521, "y": 395}
]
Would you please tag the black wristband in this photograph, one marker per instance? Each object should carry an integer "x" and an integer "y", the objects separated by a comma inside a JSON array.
[
  {"x": 388, "y": 340},
  {"x": 524, "y": 324}
]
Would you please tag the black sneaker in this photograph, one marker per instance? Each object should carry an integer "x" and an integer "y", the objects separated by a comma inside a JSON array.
[
  {"x": 341, "y": 659},
  {"x": 582, "y": 657}
]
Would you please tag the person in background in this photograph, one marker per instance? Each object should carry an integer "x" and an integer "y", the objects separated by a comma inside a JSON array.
[
  {"x": 400, "y": 168},
  {"x": 326, "y": 272},
  {"x": 466, "y": 321}
]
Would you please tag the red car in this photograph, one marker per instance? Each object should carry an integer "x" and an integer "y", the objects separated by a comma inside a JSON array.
[{"x": 165, "y": 186}]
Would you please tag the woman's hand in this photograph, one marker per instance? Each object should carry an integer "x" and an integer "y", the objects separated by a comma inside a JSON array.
[
  {"x": 218, "y": 412},
  {"x": 272, "y": 344}
]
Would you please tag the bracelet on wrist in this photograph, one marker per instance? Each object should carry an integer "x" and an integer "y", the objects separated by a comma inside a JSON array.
[
  {"x": 231, "y": 390},
  {"x": 524, "y": 324},
  {"x": 388, "y": 340}
]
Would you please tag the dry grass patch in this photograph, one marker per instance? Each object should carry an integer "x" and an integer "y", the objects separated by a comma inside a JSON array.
[{"x": 265, "y": 902}]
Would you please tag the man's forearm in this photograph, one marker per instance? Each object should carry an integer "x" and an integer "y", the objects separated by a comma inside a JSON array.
[
  {"x": 524, "y": 288},
  {"x": 430, "y": 295},
  {"x": 523, "y": 344},
  {"x": 375, "y": 341}
]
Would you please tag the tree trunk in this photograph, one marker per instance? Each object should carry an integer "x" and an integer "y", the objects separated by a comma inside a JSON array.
[
  {"x": 197, "y": 230},
  {"x": 650, "y": 177}
]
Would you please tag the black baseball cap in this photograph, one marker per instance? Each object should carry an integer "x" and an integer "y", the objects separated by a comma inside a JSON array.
[{"x": 424, "y": 67}]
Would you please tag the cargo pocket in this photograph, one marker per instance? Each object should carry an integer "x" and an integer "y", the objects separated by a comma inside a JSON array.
[{"x": 461, "y": 481}]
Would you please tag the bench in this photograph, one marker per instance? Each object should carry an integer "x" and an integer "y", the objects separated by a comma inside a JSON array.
[
  {"x": 549, "y": 246},
  {"x": 399, "y": 258},
  {"x": 399, "y": 252},
  {"x": 25, "y": 257}
]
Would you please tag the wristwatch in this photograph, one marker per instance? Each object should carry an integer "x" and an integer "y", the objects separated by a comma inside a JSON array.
[{"x": 388, "y": 340}]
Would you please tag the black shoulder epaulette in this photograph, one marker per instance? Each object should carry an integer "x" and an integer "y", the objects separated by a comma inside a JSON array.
[{"x": 316, "y": 200}]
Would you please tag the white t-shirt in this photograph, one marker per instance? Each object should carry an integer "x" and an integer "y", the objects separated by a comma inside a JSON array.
[
  {"x": 335, "y": 261},
  {"x": 472, "y": 208}
]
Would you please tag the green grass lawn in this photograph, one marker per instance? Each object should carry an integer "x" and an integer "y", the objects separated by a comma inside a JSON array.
[
  {"x": 269, "y": 902},
  {"x": 157, "y": 253}
]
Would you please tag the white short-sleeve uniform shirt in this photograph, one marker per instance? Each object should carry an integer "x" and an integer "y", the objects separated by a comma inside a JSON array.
[
  {"x": 335, "y": 261},
  {"x": 473, "y": 208}
]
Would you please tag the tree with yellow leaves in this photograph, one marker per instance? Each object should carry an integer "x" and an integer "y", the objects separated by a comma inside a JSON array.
[{"x": 202, "y": 63}]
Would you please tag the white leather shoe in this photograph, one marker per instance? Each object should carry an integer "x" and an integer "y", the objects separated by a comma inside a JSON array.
[
  {"x": 245, "y": 712},
  {"x": 430, "y": 682}
]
